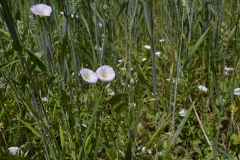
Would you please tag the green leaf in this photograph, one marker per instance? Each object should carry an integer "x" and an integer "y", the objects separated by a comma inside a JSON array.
[
  {"x": 28, "y": 125},
  {"x": 111, "y": 153},
  {"x": 121, "y": 108},
  {"x": 129, "y": 151},
  {"x": 235, "y": 139},
  {"x": 9, "y": 63},
  {"x": 180, "y": 127},
  {"x": 117, "y": 98},
  {"x": 61, "y": 137}
]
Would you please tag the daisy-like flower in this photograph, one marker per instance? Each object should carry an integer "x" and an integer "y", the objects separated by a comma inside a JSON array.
[
  {"x": 41, "y": 10},
  {"x": 202, "y": 88},
  {"x": 147, "y": 47},
  {"x": 237, "y": 91},
  {"x": 15, "y": 151},
  {"x": 88, "y": 75},
  {"x": 105, "y": 73},
  {"x": 183, "y": 112}
]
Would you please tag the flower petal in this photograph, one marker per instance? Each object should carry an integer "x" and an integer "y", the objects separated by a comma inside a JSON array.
[
  {"x": 41, "y": 10},
  {"x": 88, "y": 75},
  {"x": 105, "y": 73}
]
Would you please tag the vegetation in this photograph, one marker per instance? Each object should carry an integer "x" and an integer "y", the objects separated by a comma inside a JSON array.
[{"x": 167, "y": 56}]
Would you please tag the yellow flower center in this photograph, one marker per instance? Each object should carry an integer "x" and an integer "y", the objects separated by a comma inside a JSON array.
[{"x": 104, "y": 75}]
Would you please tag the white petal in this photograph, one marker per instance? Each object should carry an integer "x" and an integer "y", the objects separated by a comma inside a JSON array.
[{"x": 183, "y": 112}]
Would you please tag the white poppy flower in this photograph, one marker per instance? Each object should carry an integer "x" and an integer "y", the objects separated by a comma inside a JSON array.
[
  {"x": 237, "y": 91},
  {"x": 15, "y": 151},
  {"x": 41, "y": 10},
  {"x": 88, "y": 75},
  {"x": 183, "y": 112},
  {"x": 105, "y": 73},
  {"x": 202, "y": 88},
  {"x": 147, "y": 47}
]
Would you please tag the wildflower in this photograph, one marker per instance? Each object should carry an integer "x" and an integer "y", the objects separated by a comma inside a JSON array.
[
  {"x": 62, "y": 13},
  {"x": 183, "y": 112},
  {"x": 105, "y": 73},
  {"x": 157, "y": 54},
  {"x": 160, "y": 153},
  {"x": 147, "y": 47},
  {"x": 144, "y": 59},
  {"x": 131, "y": 80},
  {"x": 132, "y": 104},
  {"x": 237, "y": 91},
  {"x": 110, "y": 92},
  {"x": 143, "y": 149},
  {"x": 98, "y": 48},
  {"x": 41, "y": 10},
  {"x": 100, "y": 24},
  {"x": 120, "y": 61},
  {"x": 173, "y": 80},
  {"x": 15, "y": 151},
  {"x": 88, "y": 75},
  {"x": 84, "y": 125},
  {"x": 226, "y": 70},
  {"x": 202, "y": 88},
  {"x": 44, "y": 99},
  {"x": 149, "y": 151},
  {"x": 161, "y": 40}
]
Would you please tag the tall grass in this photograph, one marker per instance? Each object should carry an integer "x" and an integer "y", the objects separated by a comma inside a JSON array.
[{"x": 48, "y": 111}]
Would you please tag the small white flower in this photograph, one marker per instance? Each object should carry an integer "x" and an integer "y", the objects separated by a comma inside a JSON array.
[
  {"x": 131, "y": 80},
  {"x": 120, "y": 61},
  {"x": 173, "y": 80},
  {"x": 84, "y": 125},
  {"x": 160, "y": 153},
  {"x": 110, "y": 92},
  {"x": 44, "y": 99},
  {"x": 149, "y": 151},
  {"x": 202, "y": 88},
  {"x": 88, "y": 75},
  {"x": 99, "y": 48},
  {"x": 105, "y": 73},
  {"x": 132, "y": 104},
  {"x": 74, "y": 74},
  {"x": 237, "y": 91},
  {"x": 147, "y": 47},
  {"x": 41, "y": 10},
  {"x": 144, "y": 59},
  {"x": 120, "y": 151},
  {"x": 143, "y": 149},
  {"x": 228, "y": 69},
  {"x": 15, "y": 151},
  {"x": 131, "y": 68},
  {"x": 157, "y": 54},
  {"x": 183, "y": 112},
  {"x": 61, "y": 13},
  {"x": 123, "y": 69},
  {"x": 100, "y": 24},
  {"x": 161, "y": 40}
]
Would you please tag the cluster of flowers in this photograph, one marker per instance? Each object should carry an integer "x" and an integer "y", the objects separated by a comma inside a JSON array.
[{"x": 104, "y": 73}]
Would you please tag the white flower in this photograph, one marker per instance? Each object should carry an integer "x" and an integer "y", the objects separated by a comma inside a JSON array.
[
  {"x": 149, "y": 151},
  {"x": 110, "y": 92},
  {"x": 88, "y": 75},
  {"x": 160, "y": 153},
  {"x": 143, "y": 149},
  {"x": 147, "y": 47},
  {"x": 144, "y": 59},
  {"x": 99, "y": 48},
  {"x": 161, "y": 40},
  {"x": 228, "y": 69},
  {"x": 15, "y": 151},
  {"x": 131, "y": 80},
  {"x": 100, "y": 25},
  {"x": 44, "y": 99},
  {"x": 61, "y": 13},
  {"x": 41, "y": 10},
  {"x": 157, "y": 54},
  {"x": 173, "y": 80},
  {"x": 84, "y": 125},
  {"x": 105, "y": 73},
  {"x": 237, "y": 91},
  {"x": 120, "y": 61},
  {"x": 132, "y": 104},
  {"x": 123, "y": 69},
  {"x": 202, "y": 88},
  {"x": 183, "y": 112}
]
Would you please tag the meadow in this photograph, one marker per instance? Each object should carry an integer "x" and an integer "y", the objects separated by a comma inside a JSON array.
[{"x": 120, "y": 79}]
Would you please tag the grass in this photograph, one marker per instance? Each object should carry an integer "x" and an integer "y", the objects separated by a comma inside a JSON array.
[{"x": 48, "y": 111}]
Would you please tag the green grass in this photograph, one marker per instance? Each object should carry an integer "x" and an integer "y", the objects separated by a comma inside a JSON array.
[{"x": 41, "y": 57}]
